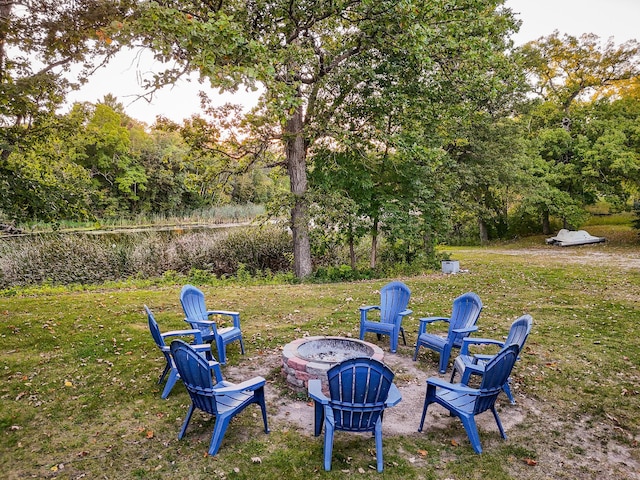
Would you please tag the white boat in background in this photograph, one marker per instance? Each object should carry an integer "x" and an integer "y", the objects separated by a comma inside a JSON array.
[{"x": 567, "y": 238}]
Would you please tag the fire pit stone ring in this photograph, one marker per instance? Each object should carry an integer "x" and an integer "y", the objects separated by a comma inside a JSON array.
[{"x": 311, "y": 357}]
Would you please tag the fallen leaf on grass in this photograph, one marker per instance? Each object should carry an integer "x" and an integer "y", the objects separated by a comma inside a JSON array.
[
  {"x": 67, "y": 383},
  {"x": 530, "y": 461},
  {"x": 455, "y": 443},
  {"x": 360, "y": 470},
  {"x": 149, "y": 433},
  {"x": 422, "y": 453},
  {"x": 236, "y": 469},
  {"x": 256, "y": 459}
]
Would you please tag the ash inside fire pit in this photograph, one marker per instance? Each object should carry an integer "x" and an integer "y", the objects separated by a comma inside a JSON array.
[
  {"x": 333, "y": 350},
  {"x": 311, "y": 357}
]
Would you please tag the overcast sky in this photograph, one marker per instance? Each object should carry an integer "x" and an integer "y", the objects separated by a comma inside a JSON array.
[{"x": 619, "y": 19}]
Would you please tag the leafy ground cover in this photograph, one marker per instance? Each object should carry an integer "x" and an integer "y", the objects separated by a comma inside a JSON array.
[{"x": 79, "y": 397}]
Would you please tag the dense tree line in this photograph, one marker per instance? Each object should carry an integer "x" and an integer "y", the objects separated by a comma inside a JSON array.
[{"x": 412, "y": 121}]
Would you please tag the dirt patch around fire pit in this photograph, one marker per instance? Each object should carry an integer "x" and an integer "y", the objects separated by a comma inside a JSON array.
[{"x": 582, "y": 449}]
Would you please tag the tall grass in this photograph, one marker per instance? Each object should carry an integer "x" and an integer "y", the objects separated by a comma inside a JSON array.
[
  {"x": 209, "y": 215},
  {"x": 63, "y": 259}
]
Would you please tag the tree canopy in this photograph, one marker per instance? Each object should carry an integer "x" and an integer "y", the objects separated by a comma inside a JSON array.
[{"x": 402, "y": 120}]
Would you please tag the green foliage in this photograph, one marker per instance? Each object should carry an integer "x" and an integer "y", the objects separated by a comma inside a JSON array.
[{"x": 583, "y": 132}]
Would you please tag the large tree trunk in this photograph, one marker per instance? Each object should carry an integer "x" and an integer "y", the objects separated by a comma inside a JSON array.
[
  {"x": 296, "y": 155},
  {"x": 374, "y": 243},
  {"x": 352, "y": 249},
  {"x": 546, "y": 224},
  {"x": 484, "y": 233}
]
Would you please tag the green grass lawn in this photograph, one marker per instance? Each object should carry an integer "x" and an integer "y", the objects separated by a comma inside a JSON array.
[{"x": 79, "y": 397}]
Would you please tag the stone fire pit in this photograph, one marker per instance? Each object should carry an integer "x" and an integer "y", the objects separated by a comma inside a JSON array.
[{"x": 311, "y": 357}]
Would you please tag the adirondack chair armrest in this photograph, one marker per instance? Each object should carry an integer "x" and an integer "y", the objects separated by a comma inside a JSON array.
[
  {"x": 422, "y": 328},
  {"x": 474, "y": 368},
  {"x": 454, "y": 387},
  {"x": 465, "y": 330},
  {"x": 468, "y": 341},
  {"x": 394, "y": 396},
  {"x": 203, "y": 347},
  {"x": 248, "y": 385},
  {"x": 366, "y": 309},
  {"x": 223, "y": 312},
  {"x": 200, "y": 322},
  {"x": 181, "y": 333},
  {"x": 405, "y": 312},
  {"x": 315, "y": 392}
]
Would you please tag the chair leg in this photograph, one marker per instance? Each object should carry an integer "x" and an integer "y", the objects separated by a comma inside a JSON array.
[
  {"x": 394, "y": 342},
  {"x": 171, "y": 381},
  {"x": 328, "y": 445},
  {"x": 415, "y": 353},
  {"x": 222, "y": 354},
  {"x": 444, "y": 359},
  {"x": 219, "y": 430},
  {"x": 319, "y": 418},
  {"x": 167, "y": 367},
  {"x": 453, "y": 373},
  {"x": 507, "y": 390},
  {"x": 378, "y": 434},
  {"x": 495, "y": 415},
  {"x": 469, "y": 423},
  {"x": 404, "y": 340},
  {"x": 186, "y": 421},
  {"x": 241, "y": 346},
  {"x": 259, "y": 398},
  {"x": 427, "y": 400}
]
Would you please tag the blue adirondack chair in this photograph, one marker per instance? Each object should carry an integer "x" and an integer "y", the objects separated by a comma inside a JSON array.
[
  {"x": 465, "y": 403},
  {"x": 394, "y": 298},
  {"x": 359, "y": 391},
  {"x": 197, "y": 316},
  {"x": 159, "y": 338},
  {"x": 464, "y": 315},
  {"x": 467, "y": 364},
  {"x": 211, "y": 394}
]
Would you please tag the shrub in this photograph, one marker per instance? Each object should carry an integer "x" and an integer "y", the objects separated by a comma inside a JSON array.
[
  {"x": 65, "y": 259},
  {"x": 62, "y": 259}
]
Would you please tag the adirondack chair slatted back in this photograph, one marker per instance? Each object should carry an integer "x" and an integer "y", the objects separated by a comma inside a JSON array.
[
  {"x": 358, "y": 390},
  {"x": 155, "y": 330},
  {"x": 196, "y": 376},
  {"x": 519, "y": 331},
  {"x": 465, "y": 312},
  {"x": 495, "y": 375},
  {"x": 193, "y": 303},
  {"x": 394, "y": 298}
]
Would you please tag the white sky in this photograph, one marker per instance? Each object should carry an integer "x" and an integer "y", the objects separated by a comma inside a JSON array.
[{"x": 619, "y": 19}]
